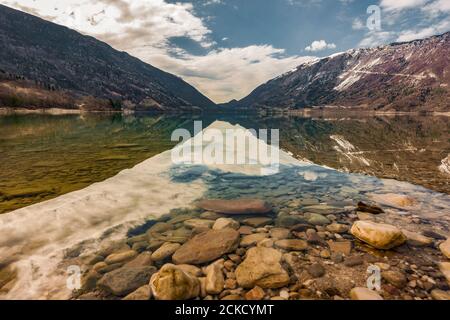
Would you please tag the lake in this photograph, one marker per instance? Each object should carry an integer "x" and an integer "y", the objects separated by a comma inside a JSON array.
[
  {"x": 128, "y": 186},
  {"x": 44, "y": 156}
]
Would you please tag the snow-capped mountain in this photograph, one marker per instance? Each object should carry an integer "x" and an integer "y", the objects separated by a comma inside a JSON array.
[{"x": 412, "y": 76}]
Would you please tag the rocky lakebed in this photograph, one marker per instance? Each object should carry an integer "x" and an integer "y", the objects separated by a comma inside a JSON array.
[
  {"x": 183, "y": 231},
  {"x": 250, "y": 249}
]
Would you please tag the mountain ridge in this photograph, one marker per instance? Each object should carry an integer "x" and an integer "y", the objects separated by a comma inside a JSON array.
[
  {"x": 403, "y": 76},
  {"x": 39, "y": 55}
]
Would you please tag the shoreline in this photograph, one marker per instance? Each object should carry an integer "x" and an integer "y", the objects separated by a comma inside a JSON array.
[{"x": 301, "y": 112}]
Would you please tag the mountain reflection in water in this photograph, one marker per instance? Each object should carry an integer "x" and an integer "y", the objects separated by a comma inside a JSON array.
[{"x": 44, "y": 156}]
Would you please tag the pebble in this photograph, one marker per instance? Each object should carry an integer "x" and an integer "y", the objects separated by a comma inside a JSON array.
[
  {"x": 316, "y": 270},
  {"x": 396, "y": 278},
  {"x": 256, "y": 293},
  {"x": 353, "y": 261}
]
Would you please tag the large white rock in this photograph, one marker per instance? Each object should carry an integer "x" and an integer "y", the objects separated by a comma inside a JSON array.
[
  {"x": 262, "y": 267},
  {"x": 172, "y": 283},
  {"x": 378, "y": 235},
  {"x": 215, "y": 280}
]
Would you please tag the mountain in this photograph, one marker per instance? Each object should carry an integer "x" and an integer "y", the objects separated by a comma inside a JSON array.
[
  {"x": 42, "y": 63},
  {"x": 412, "y": 76}
]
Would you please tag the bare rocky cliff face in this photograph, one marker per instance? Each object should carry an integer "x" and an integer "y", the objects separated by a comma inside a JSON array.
[
  {"x": 413, "y": 76},
  {"x": 37, "y": 54}
]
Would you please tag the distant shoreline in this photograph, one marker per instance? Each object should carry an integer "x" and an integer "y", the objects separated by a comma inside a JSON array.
[{"x": 277, "y": 112}]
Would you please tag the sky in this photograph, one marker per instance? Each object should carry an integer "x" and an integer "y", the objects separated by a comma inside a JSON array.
[{"x": 226, "y": 48}]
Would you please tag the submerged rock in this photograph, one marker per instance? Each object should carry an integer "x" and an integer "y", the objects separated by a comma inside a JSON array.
[
  {"x": 142, "y": 293},
  {"x": 292, "y": 244},
  {"x": 125, "y": 280},
  {"x": 369, "y": 208},
  {"x": 279, "y": 233},
  {"x": 223, "y": 223},
  {"x": 207, "y": 246},
  {"x": 253, "y": 239},
  {"x": 416, "y": 239},
  {"x": 257, "y": 222},
  {"x": 445, "y": 248},
  {"x": 121, "y": 257},
  {"x": 395, "y": 200},
  {"x": 172, "y": 283},
  {"x": 241, "y": 206},
  {"x": 445, "y": 269},
  {"x": 262, "y": 267},
  {"x": 337, "y": 228},
  {"x": 380, "y": 236},
  {"x": 165, "y": 251},
  {"x": 317, "y": 219},
  {"x": 198, "y": 224},
  {"x": 142, "y": 260}
]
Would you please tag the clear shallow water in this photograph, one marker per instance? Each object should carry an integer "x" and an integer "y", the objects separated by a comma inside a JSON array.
[
  {"x": 44, "y": 156},
  {"x": 41, "y": 240}
]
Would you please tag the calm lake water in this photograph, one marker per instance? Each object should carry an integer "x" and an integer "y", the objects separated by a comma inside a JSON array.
[{"x": 43, "y": 156}]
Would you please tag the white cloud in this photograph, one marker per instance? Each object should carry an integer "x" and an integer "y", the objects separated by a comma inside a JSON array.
[
  {"x": 436, "y": 7},
  {"x": 409, "y": 35},
  {"x": 358, "y": 24},
  {"x": 212, "y": 2},
  {"x": 319, "y": 45},
  {"x": 393, "y": 5},
  {"x": 230, "y": 73},
  {"x": 376, "y": 38}
]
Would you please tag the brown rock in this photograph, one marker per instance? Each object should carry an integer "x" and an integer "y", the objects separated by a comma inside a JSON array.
[
  {"x": 123, "y": 281},
  {"x": 165, "y": 251},
  {"x": 121, "y": 257},
  {"x": 141, "y": 294},
  {"x": 256, "y": 293},
  {"x": 214, "y": 278},
  {"x": 142, "y": 260},
  {"x": 445, "y": 248},
  {"x": 257, "y": 222},
  {"x": 292, "y": 244},
  {"x": 440, "y": 294},
  {"x": 207, "y": 246},
  {"x": 245, "y": 230},
  {"x": 416, "y": 239},
  {"x": 353, "y": 261},
  {"x": 279, "y": 233},
  {"x": 252, "y": 239},
  {"x": 361, "y": 293},
  {"x": 396, "y": 278},
  {"x": 344, "y": 247}
]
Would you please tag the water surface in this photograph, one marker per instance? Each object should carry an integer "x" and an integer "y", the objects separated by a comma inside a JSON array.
[{"x": 44, "y": 156}]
